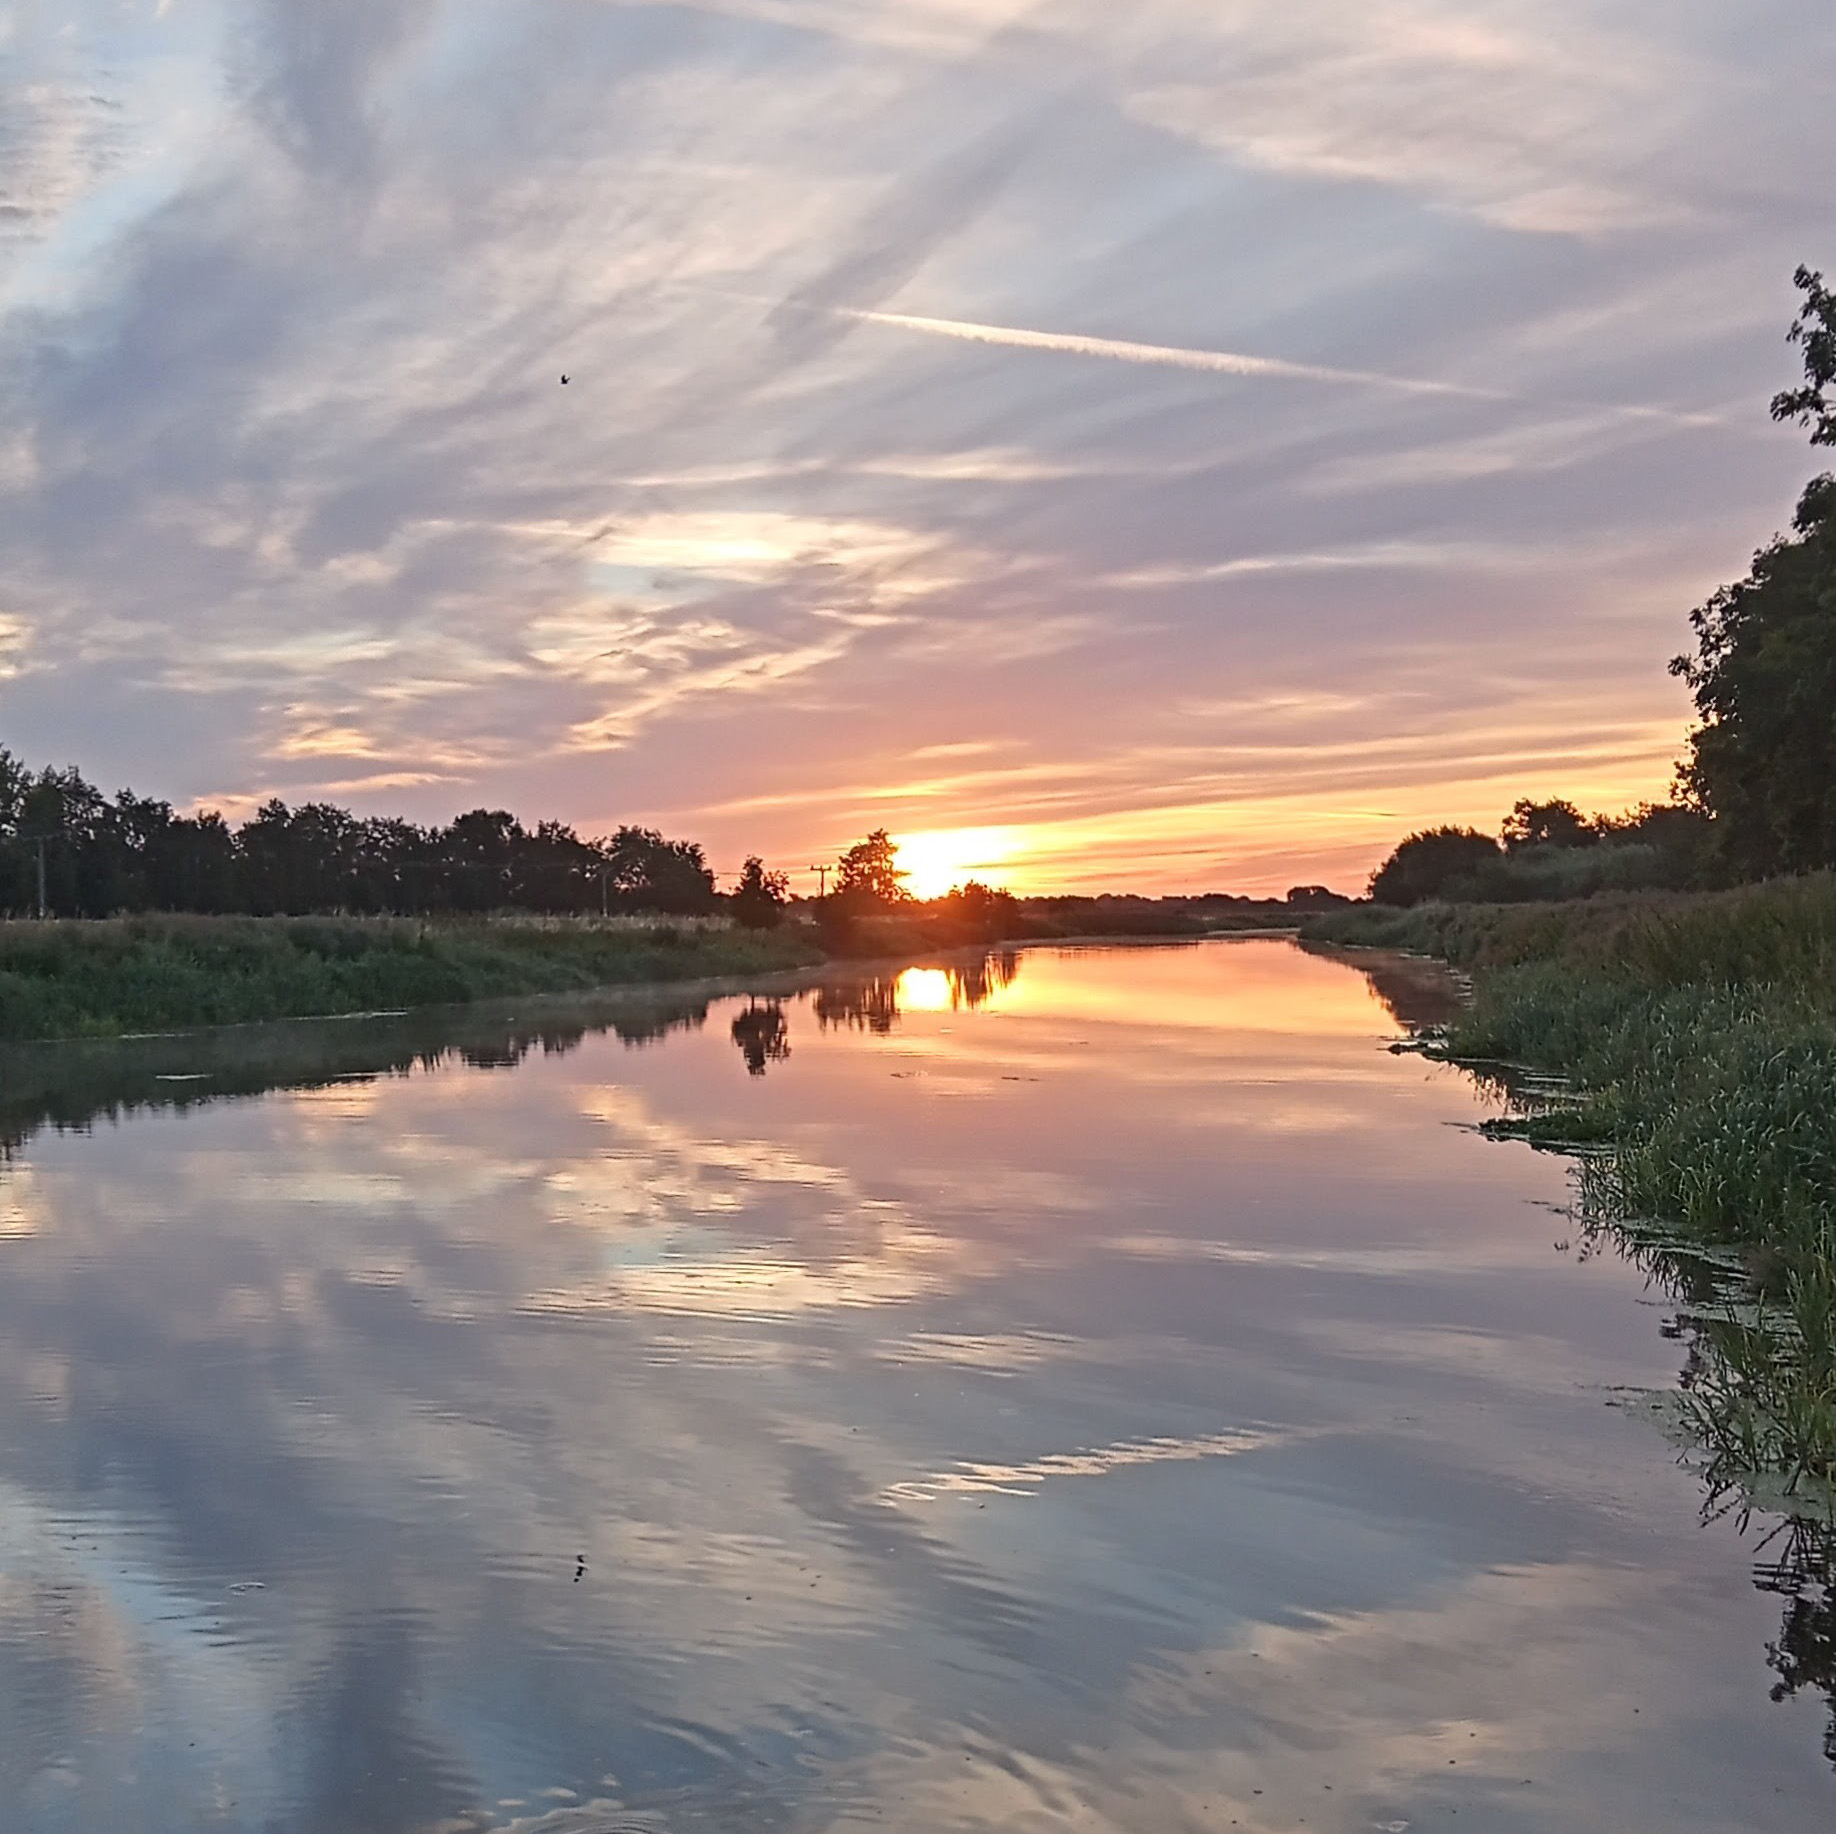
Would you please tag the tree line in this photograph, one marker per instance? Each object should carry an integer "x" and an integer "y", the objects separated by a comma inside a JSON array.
[
  {"x": 69, "y": 850},
  {"x": 1755, "y": 794}
]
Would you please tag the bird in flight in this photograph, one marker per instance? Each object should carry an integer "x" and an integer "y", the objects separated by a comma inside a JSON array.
[{"x": 565, "y": 380}]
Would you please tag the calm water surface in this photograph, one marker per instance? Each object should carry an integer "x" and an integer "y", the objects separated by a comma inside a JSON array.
[{"x": 1106, "y": 1390}]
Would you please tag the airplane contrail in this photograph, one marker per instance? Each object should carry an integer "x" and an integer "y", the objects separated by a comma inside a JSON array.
[
  {"x": 1226, "y": 362},
  {"x": 1209, "y": 362},
  {"x": 1162, "y": 356}
]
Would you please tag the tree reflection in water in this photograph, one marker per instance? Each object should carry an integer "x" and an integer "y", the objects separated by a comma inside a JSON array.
[
  {"x": 974, "y": 984},
  {"x": 762, "y": 1034},
  {"x": 1418, "y": 994},
  {"x": 1803, "y": 1571},
  {"x": 870, "y": 1002},
  {"x": 70, "y": 1086}
]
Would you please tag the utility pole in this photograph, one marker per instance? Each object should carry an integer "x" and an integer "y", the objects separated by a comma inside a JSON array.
[
  {"x": 37, "y": 840},
  {"x": 822, "y": 880}
]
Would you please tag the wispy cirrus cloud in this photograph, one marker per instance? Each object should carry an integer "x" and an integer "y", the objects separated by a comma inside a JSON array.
[{"x": 1083, "y": 359}]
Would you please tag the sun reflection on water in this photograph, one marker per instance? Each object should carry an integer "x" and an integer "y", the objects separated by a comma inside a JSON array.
[{"x": 925, "y": 990}]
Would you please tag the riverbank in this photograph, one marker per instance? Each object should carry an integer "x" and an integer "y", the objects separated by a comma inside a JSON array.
[
  {"x": 1697, "y": 1037},
  {"x": 155, "y": 974},
  {"x": 115, "y": 977}
]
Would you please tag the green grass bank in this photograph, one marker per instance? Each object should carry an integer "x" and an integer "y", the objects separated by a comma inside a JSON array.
[
  {"x": 1698, "y": 1035},
  {"x": 154, "y": 974},
  {"x": 103, "y": 978}
]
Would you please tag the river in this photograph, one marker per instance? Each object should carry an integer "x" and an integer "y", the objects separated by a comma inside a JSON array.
[{"x": 1094, "y": 1389}]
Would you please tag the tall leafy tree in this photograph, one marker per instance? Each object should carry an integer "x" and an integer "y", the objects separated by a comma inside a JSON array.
[
  {"x": 866, "y": 878},
  {"x": 1546, "y": 824},
  {"x": 1436, "y": 863},
  {"x": 1762, "y": 763},
  {"x": 758, "y": 900},
  {"x": 648, "y": 873}
]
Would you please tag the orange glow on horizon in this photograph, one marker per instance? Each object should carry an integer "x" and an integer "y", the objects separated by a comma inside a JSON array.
[
  {"x": 937, "y": 860},
  {"x": 1261, "y": 845}
]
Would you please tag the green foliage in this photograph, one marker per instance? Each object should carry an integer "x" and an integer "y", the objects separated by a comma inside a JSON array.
[
  {"x": 93, "y": 857},
  {"x": 1550, "y": 852},
  {"x": 1815, "y": 329},
  {"x": 145, "y": 974},
  {"x": 1435, "y": 863},
  {"x": 1762, "y": 763},
  {"x": 758, "y": 900},
  {"x": 1546, "y": 824}
]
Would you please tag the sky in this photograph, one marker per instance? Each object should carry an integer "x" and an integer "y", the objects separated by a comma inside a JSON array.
[{"x": 1172, "y": 447}]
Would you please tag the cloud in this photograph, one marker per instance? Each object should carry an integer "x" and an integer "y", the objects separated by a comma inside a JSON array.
[
  {"x": 316, "y": 73},
  {"x": 1538, "y": 119},
  {"x": 897, "y": 234},
  {"x": 1278, "y": 372}
]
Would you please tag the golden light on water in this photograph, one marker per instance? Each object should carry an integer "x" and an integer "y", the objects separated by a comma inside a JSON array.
[{"x": 924, "y": 990}]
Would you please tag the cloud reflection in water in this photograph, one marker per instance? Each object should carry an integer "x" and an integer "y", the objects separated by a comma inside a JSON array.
[{"x": 910, "y": 1487}]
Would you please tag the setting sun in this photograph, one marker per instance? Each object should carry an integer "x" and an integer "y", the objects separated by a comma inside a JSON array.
[{"x": 936, "y": 861}]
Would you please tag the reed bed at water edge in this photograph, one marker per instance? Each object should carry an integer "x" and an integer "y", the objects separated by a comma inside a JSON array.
[
  {"x": 1698, "y": 1036},
  {"x": 147, "y": 974}
]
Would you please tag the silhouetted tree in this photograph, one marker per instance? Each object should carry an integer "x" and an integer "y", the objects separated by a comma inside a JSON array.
[
  {"x": 1815, "y": 329},
  {"x": 479, "y": 851},
  {"x": 1762, "y": 764},
  {"x": 981, "y": 913},
  {"x": 134, "y": 853},
  {"x": 73, "y": 820},
  {"x": 759, "y": 898},
  {"x": 648, "y": 873},
  {"x": 191, "y": 865},
  {"x": 1546, "y": 824},
  {"x": 867, "y": 879},
  {"x": 1435, "y": 863}
]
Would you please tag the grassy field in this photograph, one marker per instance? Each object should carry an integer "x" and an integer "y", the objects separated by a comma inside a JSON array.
[
  {"x": 1698, "y": 1033},
  {"x": 150, "y": 974}
]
